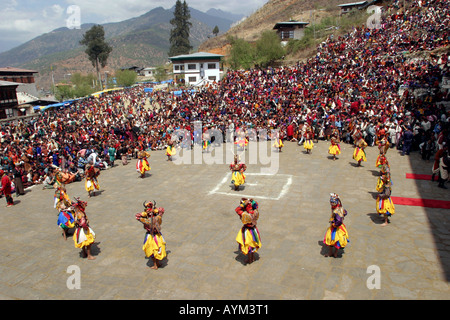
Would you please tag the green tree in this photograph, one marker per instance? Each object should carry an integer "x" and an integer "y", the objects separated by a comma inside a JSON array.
[
  {"x": 126, "y": 78},
  {"x": 179, "y": 35},
  {"x": 63, "y": 92},
  {"x": 215, "y": 31},
  {"x": 160, "y": 74},
  {"x": 268, "y": 49},
  {"x": 242, "y": 54},
  {"x": 82, "y": 85},
  {"x": 97, "y": 48}
]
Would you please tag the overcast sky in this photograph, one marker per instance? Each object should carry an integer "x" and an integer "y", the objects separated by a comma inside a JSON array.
[{"x": 23, "y": 20}]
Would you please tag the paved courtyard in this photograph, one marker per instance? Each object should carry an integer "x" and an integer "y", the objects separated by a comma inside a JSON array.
[{"x": 408, "y": 259}]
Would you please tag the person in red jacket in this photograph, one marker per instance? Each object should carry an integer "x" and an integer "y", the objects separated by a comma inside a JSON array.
[{"x": 6, "y": 188}]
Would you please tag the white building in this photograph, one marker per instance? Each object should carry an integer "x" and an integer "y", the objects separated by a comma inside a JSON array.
[
  {"x": 197, "y": 68},
  {"x": 148, "y": 72}
]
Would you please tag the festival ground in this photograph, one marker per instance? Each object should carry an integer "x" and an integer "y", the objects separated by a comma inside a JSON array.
[{"x": 412, "y": 253}]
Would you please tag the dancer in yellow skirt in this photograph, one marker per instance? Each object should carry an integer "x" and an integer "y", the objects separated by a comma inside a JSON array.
[
  {"x": 142, "y": 164},
  {"x": 248, "y": 236},
  {"x": 336, "y": 235},
  {"x": 170, "y": 150},
  {"x": 91, "y": 184},
  {"x": 83, "y": 236},
  {"x": 241, "y": 139},
  {"x": 383, "y": 147},
  {"x": 154, "y": 243},
  {"x": 385, "y": 206},
  {"x": 278, "y": 144},
  {"x": 359, "y": 154},
  {"x": 237, "y": 175},
  {"x": 308, "y": 144},
  {"x": 335, "y": 148},
  {"x": 66, "y": 220}
]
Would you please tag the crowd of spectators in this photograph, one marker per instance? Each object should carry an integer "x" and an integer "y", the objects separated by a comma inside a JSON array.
[{"x": 378, "y": 81}]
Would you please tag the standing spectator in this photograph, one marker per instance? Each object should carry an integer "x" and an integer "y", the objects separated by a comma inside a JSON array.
[
  {"x": 408, "y": 137},
  {"x": 6, "y": 188},
  {"x": 18, "y": 183}
]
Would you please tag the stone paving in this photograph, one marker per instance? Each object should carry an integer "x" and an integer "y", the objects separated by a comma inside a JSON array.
[{"x": 411, "y": 255}]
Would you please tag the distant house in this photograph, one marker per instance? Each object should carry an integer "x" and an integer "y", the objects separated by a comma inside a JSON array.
[
  {"x": 147, "y": 72},
  {"x": 25, "y": 90},
  {"x": 347, "y": 7},
  {"x": 288, "y": 30},
  {"x": 197, "y": 68},
  {"x": 8, "y": 99},
  {"x": 132, "y": 68}
]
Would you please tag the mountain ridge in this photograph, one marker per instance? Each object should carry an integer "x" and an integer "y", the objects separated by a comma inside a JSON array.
[{"x": 141, "y": 41}]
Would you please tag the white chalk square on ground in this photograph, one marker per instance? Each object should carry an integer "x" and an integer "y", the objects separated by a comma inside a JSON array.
[{"x": 257, "y": 185}]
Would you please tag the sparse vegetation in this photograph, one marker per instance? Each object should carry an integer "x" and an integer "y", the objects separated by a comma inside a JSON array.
[{"x": 126, "y": 78}]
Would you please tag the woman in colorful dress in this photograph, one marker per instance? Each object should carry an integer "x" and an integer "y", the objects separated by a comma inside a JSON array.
[
  {"x": 154, "y": 243},
  {"x": 142, "y": 164},
  {"x": 385, "y": 206},
  {"x": 335, "y": 148},
  {"x": 359, "y": 154},
  {"x": 83, "y": 236},
  {"x": 248, "y": 237},
  {"x": 91, "y": 183},
  {"x": 66, "y": 220},
  {"x": 336, "y": 235},
  {"x": 237, "y": 175}
]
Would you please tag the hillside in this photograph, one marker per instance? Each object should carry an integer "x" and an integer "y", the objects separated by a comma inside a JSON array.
[
  {"x": 268, "y": 15},
  {"x": 141, "y": 41}
]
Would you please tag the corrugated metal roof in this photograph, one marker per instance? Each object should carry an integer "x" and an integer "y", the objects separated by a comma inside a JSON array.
[{"x": 197, "y": 55}]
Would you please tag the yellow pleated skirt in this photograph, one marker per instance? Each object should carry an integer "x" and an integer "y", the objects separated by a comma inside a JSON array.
[
  {"x": 359, "y": 154},
  {"x": 278, "y": 143},
  {"x": 334, "y": 149},
  {"x": 154, "y": 246},
  {"x": 336, "y": 237},
  {"x": 91, "y": 185},
  {"x": 171, "y": 151},
  {"x": 308, "y": 144},
  {"x": 385, "y": 206},
  {"x": 83, "y": 237},
  {"x": 237, "y": 178},
  {"x": 142, "y": 166},
  {"x": 249, "y": 240}
]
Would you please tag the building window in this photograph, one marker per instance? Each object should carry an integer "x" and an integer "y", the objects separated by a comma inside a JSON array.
[
  {"x": 211, "y": 66},
  {"x": 287, "y": 34},
  {"x": 192, "y": 79},
  {"x": 212, "y": 78},
  {"x": 192, "y": 66}
]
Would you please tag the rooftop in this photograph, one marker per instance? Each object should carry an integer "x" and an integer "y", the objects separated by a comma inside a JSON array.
[
  {"x": 197, "y": 55},
  {"x": 352, "y": 4},
  {"x": 8, "y": 83},
  {"x": 290, "y": 23},
  {"x": 13, "y": 69}
]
